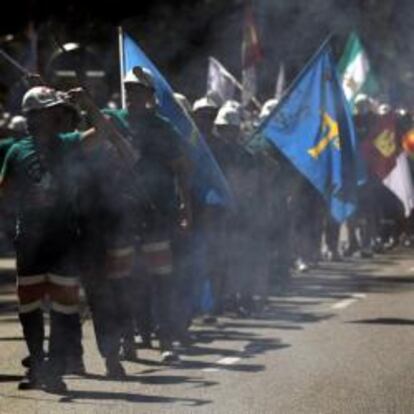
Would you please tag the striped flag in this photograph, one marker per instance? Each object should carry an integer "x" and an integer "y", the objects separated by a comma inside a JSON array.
[
  {"x": 355, "y": 70},
  {"x": 385, "y": 158},
  {"x": 251, "y": 55}
]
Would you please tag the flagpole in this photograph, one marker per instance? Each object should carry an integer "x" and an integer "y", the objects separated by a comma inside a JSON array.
[
  {"x": 121, "y": 65},
  {"x": 14, "y": 63},
  {"x": 280, "y": 83},
  {"x": 240, "y": 87}
]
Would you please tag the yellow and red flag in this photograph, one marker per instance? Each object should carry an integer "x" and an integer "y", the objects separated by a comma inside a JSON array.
[
  {"x": 386, "y": 159},
  {"x": 380, "y": 149}
]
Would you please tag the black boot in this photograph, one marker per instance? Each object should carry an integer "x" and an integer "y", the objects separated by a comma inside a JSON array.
[
  {"x": 74, "y": 355},
  {"x": 114, "y": 368},
  {"x": 56, "y": 365},
  {"x": 33, "y": 331},
  {"x": 128, "y": 348},
  {"x": 34, "y": 378}
]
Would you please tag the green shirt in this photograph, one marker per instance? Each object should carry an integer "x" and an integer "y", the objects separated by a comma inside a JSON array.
[
  {"x": 43, "y": 184},
  {"x": 5, "y": 145},
  {"x": 157, "y": 142}
]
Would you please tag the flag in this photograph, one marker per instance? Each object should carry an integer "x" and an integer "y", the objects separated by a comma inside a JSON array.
[
  {"x": 28, "y": 61},
  {"x": 312, "y": 127},
  {"x": 355, "y": 70},
  {"x": 29, "y": 58},
  {"x": 221, "y": 84},
  {"x": 399, "y": 181},
  {"x": 379, "y": 148},
  {"x": 251, "y": 55},
  {"x": 208, "y": 180},
  {"x": 386, "y": 160},
  {"x": 280, "y": 83}
]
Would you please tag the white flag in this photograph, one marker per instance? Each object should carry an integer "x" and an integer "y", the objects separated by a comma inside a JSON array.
[
  {"x": 221, "y": 84},
  {"x": 400, "y": 183}
]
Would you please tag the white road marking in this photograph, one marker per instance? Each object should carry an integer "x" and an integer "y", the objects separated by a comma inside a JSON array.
[
  {"x": 348, "y": 302},
  {"x": 223, "y": 361},
  {"x": 228, "y": 361},
  {"x": 359, "y": 295},
  {"x": 210, "y": 370},
  {"x": 343, "y": 304}
]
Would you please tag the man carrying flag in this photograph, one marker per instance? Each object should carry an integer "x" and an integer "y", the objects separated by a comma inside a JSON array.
[
  {"x": 385, "y": 159},
  {"x": 313, "y": 129},
  {"x": 207, "y": 185},
  {"x": 161, "y": 175},
  {"x": 207, "y": 179}
]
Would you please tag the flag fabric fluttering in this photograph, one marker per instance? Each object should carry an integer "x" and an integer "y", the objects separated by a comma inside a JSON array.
[
  {"x": 399, "y": 181},
  {"x": 379, "y": 147},
  {"x": 355, "y": 70},
  {"x": 208, "y": 180},
  {"x": 251, "y": 55},
  {"x": 313, "y": 129},
  {"x": 386, "y": 160},
  {"x": 222, "y": 86}
]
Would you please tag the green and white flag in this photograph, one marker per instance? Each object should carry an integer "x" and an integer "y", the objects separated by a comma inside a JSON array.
[{"x": 355, "y": 70}]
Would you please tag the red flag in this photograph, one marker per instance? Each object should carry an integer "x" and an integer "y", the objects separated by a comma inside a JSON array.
[
  {"x": 251, "y": 53},
  {"x": 381, "y": 147},
  {"x": 385, "y": 158},
  {"x": 251, "y": 49}
]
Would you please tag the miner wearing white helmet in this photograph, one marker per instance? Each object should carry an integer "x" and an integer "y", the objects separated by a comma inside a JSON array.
[
  {"x": 204, "y": 112},
  {"x": 268, "y": 107},
  {"x": 163, "y": 172},
  {"x": 37, "y": 171},
  {"x": 18, "y": 124},
  {"x": 228, "y": 121}
]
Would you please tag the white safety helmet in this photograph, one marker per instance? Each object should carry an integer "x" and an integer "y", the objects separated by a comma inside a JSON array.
[
  {"x": 401, "y": 111},
  {"x": 18, "y": 123},
  {"x": 204, "y": 103},
  {"x": 363, "y": 104},
  {"x": 268, "y": 107},
  {"x": 183, "y": 101},
  {"x": 140, "y": 76},
  {"x": 42, "y": 97},
  {"x": 384, "y": 109},
  {"x": 229, "y": 114}
]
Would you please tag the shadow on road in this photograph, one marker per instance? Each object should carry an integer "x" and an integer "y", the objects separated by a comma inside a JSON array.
[
  {"x": 293, "y": 308},
  {"x": 77, "y": 396},
  {"x": 385, "y": 321}
]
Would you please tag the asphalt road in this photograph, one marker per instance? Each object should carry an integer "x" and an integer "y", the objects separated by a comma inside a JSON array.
[{"x": 339, "y": 341}]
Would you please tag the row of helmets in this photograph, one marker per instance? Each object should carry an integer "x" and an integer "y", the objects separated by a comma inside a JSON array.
[{"x": 230, "y": 113}]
